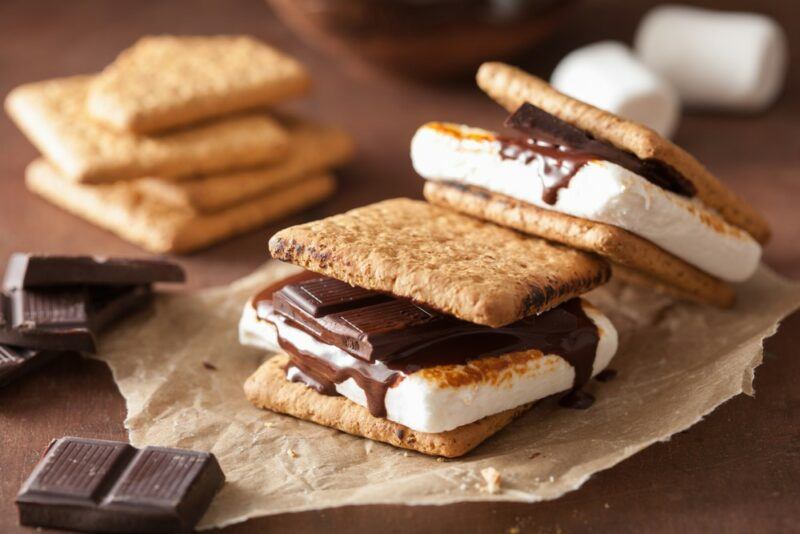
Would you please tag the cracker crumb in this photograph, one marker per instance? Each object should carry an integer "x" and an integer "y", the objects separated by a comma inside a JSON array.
[
  {"x": 269, "y": 424},
  {"x": 440, "y": 459},
  {"x": 513, "y": 530},
  {"x": 405, "y": 453},
  {"x": 492, "y": 478},
  {"x": 368, "y": 446},
  {"x": 291, "y": 453},
  {"x": 606, "y": 506}
]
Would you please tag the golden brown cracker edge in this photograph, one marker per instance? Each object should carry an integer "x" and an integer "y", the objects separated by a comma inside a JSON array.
[
  {"x": 269, "y": 389},
  {"x": 617, "y": 245}
]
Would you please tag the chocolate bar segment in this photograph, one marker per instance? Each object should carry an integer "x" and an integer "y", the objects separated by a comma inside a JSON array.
[
  {"x": 53, "y": 320},
  {"x": 16, "y": 362},
  {"x": 107, "y": 486},
  {"x": 323, "y": 296},
  {"x": 64, "y": 319},
  {"x": 543, "y": 126},
  {"x": 38, "y": 270},
  {"x": 367, "y": 331}
]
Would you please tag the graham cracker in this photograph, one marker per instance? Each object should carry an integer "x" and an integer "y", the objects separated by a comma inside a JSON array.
[
  {"x": 53, "y": 116},
  {"x": 161, "y": 228},
  {"x": 617, "y": 245},
  {"x": 511, "y": 87},
  {"x": 166, "y": 81},
  {"x": 474, "y": 270},
  {"x": 313, "y": 148},
  {"x": 269, "y": 389}
]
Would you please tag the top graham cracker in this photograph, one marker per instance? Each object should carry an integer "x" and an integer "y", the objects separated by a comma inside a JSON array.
[
  {"x": 166, "y": 81},
  {"x": 473, "y": 270}
]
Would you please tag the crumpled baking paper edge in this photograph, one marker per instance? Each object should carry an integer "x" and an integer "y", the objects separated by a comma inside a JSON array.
[{"x": 747, "y": 356}]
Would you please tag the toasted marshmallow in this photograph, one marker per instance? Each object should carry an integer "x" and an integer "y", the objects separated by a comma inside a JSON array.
[
  {"x": 599, "y": 191},
  {"x": 437, "y": 399}
]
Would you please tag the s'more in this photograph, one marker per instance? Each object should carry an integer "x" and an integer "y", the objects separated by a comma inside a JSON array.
[
  {"x": 420, "y": 327},
  {"x": 583, "y": 177}
]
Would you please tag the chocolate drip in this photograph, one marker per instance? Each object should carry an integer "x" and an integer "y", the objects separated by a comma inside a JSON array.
[
  {"x": 559, "y": 150},
  {"x": 577, "y": 400},
  {"x": 556, "y": 165},
  {"x": 378, "y": 345},
  {"x": 606, "y": 375}
]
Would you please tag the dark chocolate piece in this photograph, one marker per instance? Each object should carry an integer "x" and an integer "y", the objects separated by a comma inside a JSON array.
[
  {"x": 38, "y": 270},
  {"x": 566, "y": 148},
  {"x": 109, "y": 486},
  {"x": 390, "y": 340},
  {"x": 16, "y": 362},
  {"x": 64, "y": 319},
  {"x": 370, "y": 332},
  {"x": 323, "y": 296}
]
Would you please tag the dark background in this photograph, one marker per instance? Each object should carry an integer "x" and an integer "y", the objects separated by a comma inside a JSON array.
[{"x": 737, "y": 471}]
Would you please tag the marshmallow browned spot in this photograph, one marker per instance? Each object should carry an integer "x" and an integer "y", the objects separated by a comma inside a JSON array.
[{"x": 268, "y": 388}]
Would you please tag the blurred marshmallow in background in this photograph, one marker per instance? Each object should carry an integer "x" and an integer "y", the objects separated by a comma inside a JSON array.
[
  {"x": 609, "y": 76},
  {"x": 715, "y": 59}
]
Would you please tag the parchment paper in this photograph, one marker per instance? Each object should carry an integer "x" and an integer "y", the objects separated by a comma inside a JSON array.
[{"x": 181, "y": 370}]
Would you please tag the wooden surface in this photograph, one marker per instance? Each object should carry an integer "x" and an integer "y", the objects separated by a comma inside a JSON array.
[{"x": 737, "y": 471}]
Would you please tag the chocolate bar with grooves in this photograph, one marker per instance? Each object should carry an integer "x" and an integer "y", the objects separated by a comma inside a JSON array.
[
  {"x": 39, "y": 270},
  {"x": 366, "y": 330},
  {"x": 64, "y": 319},
  {"x": 108, "y": 486},
  {"x": 323, "y": 296}
]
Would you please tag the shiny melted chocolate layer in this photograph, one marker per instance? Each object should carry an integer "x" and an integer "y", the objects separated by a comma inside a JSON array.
[
  {"x": 559, "y": 150},
  {"x": 379, "y": 341}
]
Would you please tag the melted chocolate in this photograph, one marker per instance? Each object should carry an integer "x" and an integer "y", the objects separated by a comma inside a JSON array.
[
  {"x": 606, "y": 375},
  {"x": 556, "y": 165},
  {"x": 378, "y": 345},
  {"x": 577, "y": 400},
  {"x": 559, "y": 150}
]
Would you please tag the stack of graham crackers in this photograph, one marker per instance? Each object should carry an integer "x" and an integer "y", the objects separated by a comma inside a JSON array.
[{"x": 174, "y": 146}]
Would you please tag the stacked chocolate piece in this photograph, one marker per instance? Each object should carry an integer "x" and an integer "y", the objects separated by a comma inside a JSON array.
[
  {"x": 435, "y": 324},
  {"x": 172, "y": 146},
  {"x": 57, "y": 304}
]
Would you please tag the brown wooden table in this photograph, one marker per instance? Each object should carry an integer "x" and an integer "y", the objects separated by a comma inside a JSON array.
[{"x": 737, "y": 471}]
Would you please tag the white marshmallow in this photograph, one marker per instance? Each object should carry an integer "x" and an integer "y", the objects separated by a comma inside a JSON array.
[
  {"x": 254, "y": 332},
  {"x": 425, "y": 401},
  {"x": 609, "y": 76},
  {"x": 600, "y": 191},
  {"x": 714, "y": 58}
]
